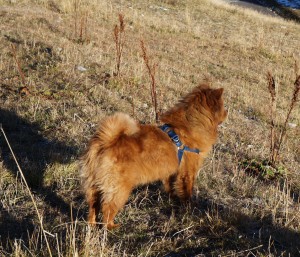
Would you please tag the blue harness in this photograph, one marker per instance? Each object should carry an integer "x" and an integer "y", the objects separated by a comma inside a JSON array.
[{"x": 175, "y": 138}]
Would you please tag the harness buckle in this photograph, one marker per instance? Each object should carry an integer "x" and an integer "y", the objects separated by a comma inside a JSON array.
[{"x": 175, "y": 138}]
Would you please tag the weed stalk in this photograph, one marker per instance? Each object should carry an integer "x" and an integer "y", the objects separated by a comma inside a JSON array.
[
  {"x": 83, "y": 28},
  {"x": 292, "y": 105},
  {"x": 80, "y": 23},
  {"x": 119, "y": 38},
  {"x": 14, "y": 52},
  {"x": 272, "y": 90},
  {"x": 276, "y": 142},
  {"x": 75, "y": 16},
  {"x": 151, "y": 71}
]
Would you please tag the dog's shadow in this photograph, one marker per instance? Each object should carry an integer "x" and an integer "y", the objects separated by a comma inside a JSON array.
[
  {"x": 236, "y": 225},
  {"x": 33, "y": 152}
]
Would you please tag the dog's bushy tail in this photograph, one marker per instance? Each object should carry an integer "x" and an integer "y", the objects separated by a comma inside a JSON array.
[
  {"x": 111, "y": 128},
  {"x": 109, "y": 131}
]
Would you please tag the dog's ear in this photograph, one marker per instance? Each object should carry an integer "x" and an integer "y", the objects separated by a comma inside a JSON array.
[{"x": 218, "y": 92}]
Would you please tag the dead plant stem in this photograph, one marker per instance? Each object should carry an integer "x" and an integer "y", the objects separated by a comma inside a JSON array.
[
  {"x": 119, "y": 37},
  {"x": 244, "y": 251},
  {"x": 292, "y": 105},
  {"x": 151, "y": 72},
  {"x": 18, "y": 64},
  {"x": 75, "y": 16},
  {"x": 272, "y": 90}
]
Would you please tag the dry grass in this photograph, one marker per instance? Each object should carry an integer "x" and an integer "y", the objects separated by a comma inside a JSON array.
[{"x": 72, "y": 86}]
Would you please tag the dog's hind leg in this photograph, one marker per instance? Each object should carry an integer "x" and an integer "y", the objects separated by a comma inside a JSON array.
[
  {"x": 111, "y": 208},
  {"x": 93, "y": 199}
]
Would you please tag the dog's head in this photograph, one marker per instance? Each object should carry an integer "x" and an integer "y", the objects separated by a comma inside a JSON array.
[
  {"x": 207, "y": 103},
  {"x": 215, "y": 103},
  {"x": 204, "y": 105}
]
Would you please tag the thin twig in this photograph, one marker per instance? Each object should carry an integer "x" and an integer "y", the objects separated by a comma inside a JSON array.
[
  {"x": 182, "y": 230},
  {"x": 29, "y": 191},
  {"x": 244, "y": 251}
]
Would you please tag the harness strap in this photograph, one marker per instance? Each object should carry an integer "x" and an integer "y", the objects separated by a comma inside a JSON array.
[{"x": 175, "y": 138}]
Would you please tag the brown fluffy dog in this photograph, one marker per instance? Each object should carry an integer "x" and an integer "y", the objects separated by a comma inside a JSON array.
[{"x": 124, "y": 154}]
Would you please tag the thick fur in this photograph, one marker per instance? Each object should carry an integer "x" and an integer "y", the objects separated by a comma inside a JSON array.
[{"x": 124, "y": 154}]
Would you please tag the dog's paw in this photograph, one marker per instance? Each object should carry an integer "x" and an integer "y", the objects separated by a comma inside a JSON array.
[{"x": 112, "y": 225}]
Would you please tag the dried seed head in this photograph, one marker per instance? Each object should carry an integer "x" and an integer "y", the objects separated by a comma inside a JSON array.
[
  {"x": 272, "y": 86},
  {"x": 144, "y": 52},
  {"x": 122, "y": 23},
  {"x": 296, "y": 89},
  {"x": 297, "y": 69}
]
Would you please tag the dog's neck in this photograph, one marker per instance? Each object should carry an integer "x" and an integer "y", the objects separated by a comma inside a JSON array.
[{"x": 195, "y": 136}]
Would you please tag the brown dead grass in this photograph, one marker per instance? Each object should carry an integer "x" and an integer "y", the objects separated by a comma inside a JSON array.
[{"x": 191, "y": 41}]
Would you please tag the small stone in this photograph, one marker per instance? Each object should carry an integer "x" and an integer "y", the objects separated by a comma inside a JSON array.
[
  {"x": 81, "y": 68},
  {"x": 292, "y": 125}
]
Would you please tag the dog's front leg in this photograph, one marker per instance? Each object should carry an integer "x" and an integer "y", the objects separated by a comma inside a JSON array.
[
  {"x": 187, "y": 174},
  {"x": 169, "y": 184},
  {"x": 183, "y": 185}
]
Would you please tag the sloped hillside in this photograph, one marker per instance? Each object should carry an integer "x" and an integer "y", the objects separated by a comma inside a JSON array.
[{"x": 59, "y": 77}]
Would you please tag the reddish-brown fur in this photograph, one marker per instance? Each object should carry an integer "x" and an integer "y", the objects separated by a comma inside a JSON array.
[{"x": 124, "y": 154}]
